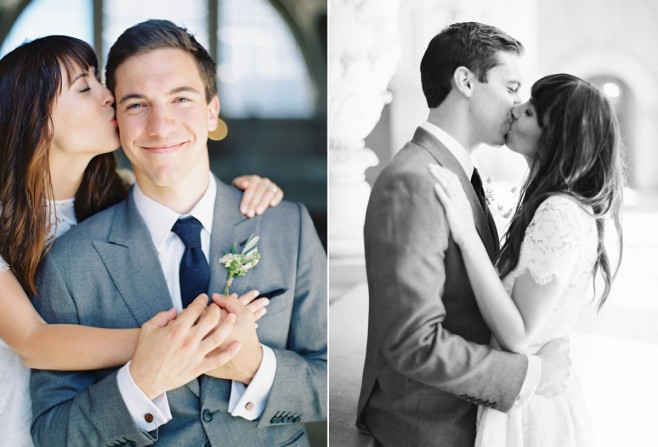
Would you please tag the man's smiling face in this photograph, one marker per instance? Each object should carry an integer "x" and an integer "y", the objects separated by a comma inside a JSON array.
[{"x": 163, "y": 117}]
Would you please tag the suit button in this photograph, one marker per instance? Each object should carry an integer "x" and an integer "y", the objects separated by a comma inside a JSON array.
[
  {"x": 249, "y": 406},
  {"x": 207, "y": 415}
]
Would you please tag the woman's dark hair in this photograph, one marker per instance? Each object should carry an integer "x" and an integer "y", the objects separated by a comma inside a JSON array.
[
  {"x": 30, "y": 82},
  {"x": 578, "y": 154}
]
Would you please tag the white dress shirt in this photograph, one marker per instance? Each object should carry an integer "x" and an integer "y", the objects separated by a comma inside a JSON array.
[
  {"x": 533, "y": 373},
  {"x": 454, "y": 146},
  {"x": 245, "y": 401}
]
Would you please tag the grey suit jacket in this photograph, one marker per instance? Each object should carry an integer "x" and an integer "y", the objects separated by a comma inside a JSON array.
[
  {"x": 105, "y": 273},
  {"x": 428, "y": 362}
]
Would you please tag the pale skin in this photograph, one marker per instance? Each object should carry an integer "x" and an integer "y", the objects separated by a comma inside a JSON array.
[
  {"x": 241, "y": 367},
  {"x": 73, "y": 347},
  {"x": 185, "y": 348},
  {"x": 49, "y": 346},
  {"x": 477, "y": 112}
]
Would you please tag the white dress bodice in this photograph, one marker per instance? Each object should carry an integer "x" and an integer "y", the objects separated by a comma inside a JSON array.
[
  {"x": 15, "y": 402},
  {"x": 560, "y": 244}
]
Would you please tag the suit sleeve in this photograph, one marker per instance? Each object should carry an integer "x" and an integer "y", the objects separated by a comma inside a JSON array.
[
  {"x": 75, "y": 408},
  {"x": 299, "y": 391},
  {"x": 407, "y": 250}
]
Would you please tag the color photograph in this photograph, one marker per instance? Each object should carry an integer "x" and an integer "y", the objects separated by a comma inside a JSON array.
[{"x": 163, "y": 223}]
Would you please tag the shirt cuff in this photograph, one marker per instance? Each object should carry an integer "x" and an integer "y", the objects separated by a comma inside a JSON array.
[
  {"x": 148, "y": 415},
  {"x": 248, "y": 402},
  {"x": 532, "y": 376}
]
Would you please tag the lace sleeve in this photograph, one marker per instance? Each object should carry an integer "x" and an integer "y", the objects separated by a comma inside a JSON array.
[{"x": 552, "y": 241}]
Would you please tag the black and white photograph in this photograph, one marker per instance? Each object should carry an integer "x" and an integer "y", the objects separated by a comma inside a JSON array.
[{"x": 493, "y": 203}]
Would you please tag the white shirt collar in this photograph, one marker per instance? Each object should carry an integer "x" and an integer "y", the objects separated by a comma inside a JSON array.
[
  {"x": 159, "y": 219},
  {"x": 455, "y": 148}
]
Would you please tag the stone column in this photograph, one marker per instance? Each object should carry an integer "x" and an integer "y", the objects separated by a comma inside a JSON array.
[{"x": 364, "y": 51}]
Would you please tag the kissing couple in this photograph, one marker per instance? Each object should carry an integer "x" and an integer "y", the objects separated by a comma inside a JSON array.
[{"x": 467, "y": 340}]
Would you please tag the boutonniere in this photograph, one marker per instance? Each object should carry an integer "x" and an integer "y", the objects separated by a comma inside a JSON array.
[
  {"x": 238, "y": 264},
  {"x": 488, "y": 196}
]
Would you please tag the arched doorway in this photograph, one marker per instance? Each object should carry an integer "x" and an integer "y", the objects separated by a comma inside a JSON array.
[
  {"x": 621, "y": 97},
  {"x": 637, "y": 90}
]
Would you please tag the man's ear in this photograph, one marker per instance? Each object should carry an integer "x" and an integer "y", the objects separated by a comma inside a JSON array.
[
  {"x": 463, "y": 81},
  {"x": 213, "y": 113}
]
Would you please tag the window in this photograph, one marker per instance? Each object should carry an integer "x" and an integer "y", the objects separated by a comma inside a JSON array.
[
  {"x": 261, "y": 70},
  {"x": 45, "y": 17},
  {"x": 118, "y": 15},
  {"x": 260, "y": 67}
]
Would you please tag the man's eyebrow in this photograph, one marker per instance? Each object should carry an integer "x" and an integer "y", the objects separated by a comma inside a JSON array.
[
  {"x": 184, "y": 89},
  {"x": 173, "y": 91},
  {"x": 130, "y": 96}
]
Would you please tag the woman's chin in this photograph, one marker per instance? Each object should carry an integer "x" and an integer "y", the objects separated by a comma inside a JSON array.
[{"x": 509, "y": 144}]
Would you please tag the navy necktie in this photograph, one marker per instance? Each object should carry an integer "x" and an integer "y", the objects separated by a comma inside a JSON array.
[{"x": 194, "y": 268}]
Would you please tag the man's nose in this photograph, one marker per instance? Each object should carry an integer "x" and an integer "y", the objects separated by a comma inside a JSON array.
[
  {"x": 159, "y": 120},
  {"x": 517, "y": 98},
  {"x": 516, "y": 110}
]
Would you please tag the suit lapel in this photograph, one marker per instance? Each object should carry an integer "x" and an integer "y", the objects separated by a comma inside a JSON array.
[
  {"x": 132, "y": 261},
  {"x": 229, "y": 226},
  {"x": 447, "y": 160},
  {"x": 134, "y": 265}
]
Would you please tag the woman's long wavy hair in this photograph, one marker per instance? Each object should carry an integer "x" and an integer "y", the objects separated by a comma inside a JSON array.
[
  {"x": 578, "y": 154},
  {"x": 30, "y": 82}
]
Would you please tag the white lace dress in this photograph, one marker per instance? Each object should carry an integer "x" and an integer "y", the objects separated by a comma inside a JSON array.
[
  {"x": 15, "y": 402},
  {"x": 560, "y": 244}
]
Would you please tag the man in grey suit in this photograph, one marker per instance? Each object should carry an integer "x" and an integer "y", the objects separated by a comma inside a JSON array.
[
  {"x": 428, "y": 364},
  {"x": 119, "y": 267}
]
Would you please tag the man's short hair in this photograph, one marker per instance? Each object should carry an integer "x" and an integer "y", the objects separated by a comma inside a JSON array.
[
  {"x": 469, "y": 44},
  {"x": 158, "y": 34}
]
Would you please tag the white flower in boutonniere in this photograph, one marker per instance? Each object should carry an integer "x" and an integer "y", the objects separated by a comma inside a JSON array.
[
  {"x": 238, "y": 264},
  {"x": 489, "y": 196}
]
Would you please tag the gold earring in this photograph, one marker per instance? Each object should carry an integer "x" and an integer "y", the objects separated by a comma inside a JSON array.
[{"x": 220, "y": 131}]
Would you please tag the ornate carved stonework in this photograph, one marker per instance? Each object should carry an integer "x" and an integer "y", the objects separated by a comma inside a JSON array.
[{"x": 364, "y": 51}]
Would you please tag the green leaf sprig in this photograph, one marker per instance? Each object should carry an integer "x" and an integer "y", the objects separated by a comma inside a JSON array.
[{"x": 238, "y": 264}]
